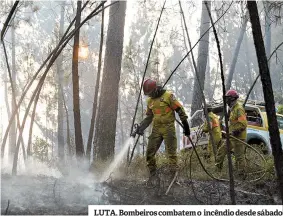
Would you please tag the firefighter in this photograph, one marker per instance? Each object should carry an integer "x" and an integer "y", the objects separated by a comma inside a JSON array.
[
  {"x": 215, "y": 131},
  {"x": 161, "y": 108},
  {"x": 237, "y": 128}
]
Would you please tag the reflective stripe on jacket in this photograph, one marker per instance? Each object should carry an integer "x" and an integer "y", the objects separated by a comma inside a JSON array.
[
  {"x": 163, "y": 107},
  {"x": 214, "y": 122}
]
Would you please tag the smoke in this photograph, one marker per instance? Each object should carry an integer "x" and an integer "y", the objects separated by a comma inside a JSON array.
[
  {"x": 42, "y": 189},
  {"x": 45, "y": 188}
]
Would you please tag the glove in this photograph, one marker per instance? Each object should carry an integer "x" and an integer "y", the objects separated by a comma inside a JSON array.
[
  {"x": 186, "y": 128},
  {"x": 235, "y": 133},
  {"x": 139, "y": 130}
]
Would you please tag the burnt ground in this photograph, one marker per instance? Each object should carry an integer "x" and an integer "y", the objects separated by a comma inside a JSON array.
[{"x": 38, "y": 195}]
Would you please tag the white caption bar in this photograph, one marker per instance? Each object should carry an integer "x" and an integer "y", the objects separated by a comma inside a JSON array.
[{"x": 185, "y": 210}]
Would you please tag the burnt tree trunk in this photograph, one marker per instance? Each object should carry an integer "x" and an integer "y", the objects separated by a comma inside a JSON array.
[
  {"x": 97, "y": 84},
  {"x": 201, "y": 60},
  {"x": 107, "y": 113},
  {"x": 236, "y": 52},
  {"x": 76, "y": 88},
  {"x": 268, "y": 93}
]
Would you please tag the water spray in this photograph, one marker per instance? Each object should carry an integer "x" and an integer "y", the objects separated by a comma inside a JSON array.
[{"x": 117, "y": 160}]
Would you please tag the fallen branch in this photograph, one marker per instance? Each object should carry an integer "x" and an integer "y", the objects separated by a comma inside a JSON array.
[{"x": 172, "y": 182}]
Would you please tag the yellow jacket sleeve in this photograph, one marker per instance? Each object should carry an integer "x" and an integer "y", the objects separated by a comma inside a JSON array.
[
  {"x": 176, "y": 105},
  {"x": 147, "y": 120}
]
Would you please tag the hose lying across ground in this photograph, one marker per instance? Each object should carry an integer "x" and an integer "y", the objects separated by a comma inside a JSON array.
[
  {"x": 226, "y": 180},
  {"x": 207, "y": 172}
]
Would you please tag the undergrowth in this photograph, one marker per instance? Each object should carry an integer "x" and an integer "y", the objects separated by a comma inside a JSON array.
[{"x": 138, "y": 169}]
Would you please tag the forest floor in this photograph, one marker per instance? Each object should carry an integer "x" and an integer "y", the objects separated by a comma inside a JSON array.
[
  {"x": 37, "y": 195},
  {"x": 72, "y": 192}
]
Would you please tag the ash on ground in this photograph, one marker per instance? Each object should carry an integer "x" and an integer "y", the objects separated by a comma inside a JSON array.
[{"x": 36, "y": 195}]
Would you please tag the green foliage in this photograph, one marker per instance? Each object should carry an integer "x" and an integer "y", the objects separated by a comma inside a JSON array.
[
  {"x": 280, "y": 109},
  {"x": 40, "y": 149}
]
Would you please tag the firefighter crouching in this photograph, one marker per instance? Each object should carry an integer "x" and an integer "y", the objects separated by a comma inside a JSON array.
[
  {"x": 215, "y": 131},
  {"x": 161, "y": 108},
  {"x": 237, "y": 128}
]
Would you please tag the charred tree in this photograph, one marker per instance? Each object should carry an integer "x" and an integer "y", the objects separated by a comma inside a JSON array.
[
  {"x": 76, "y": 88},
  {"x": 228, "y": 145},
  {"x": 268, "y": 93},
  {"x": 97, "y": 85},
  {"x": 107, "y": 112},
  {"x": 236, "y": 51},
  {"x": 201, "y": 60}
]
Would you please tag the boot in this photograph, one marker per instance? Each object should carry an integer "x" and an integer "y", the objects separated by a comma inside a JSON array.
[{"x": 153, "y": 179}]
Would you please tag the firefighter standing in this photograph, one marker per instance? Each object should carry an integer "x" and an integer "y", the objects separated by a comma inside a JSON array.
[
  {"x": 161, "y": 108},
  {"x": 237, "y": 128},
  {"x": 215, "y": 131}
]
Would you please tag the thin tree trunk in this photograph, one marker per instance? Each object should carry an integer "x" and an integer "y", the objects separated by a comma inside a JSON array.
[
  {"x": 6, "y": 101},
  {"x": 208, "y": 86},
  {"x": 97, "y": 85},
  {"x": 236, "y": 51},
  {"x": 268, "y": 94},
  {"x": 121, "y": 122},
  {"x": 13, "y": 132},
  {"x": 198, "y": 80},
  {"x": 201, "y": 60},
  {"x": 12, "y": 76},
  {"x": 231, "y": 177},
  {"x": 267, "y": 43},
  {"x": 60, "y": 103},
  {"x": 68, "y": 124},
  {"x": 60, "y": 74},
  {"x": 249, "y": 66},
  {"x": 214, "y": 86},
  {"x": 76, "y": 88},
  {"x": 52, "y": 57},
  {"x": 106, "y": 128}
]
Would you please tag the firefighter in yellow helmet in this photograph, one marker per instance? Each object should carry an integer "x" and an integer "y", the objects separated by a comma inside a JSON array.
[
  {"x": 215, "y": 131},
  {"x": 161, "y": 108},
  {"x": 237, "y": 128}
]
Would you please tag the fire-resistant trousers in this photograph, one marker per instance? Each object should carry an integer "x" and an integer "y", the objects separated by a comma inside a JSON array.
[
  {"x": 159, "y": 133},
  {"x": 239, "y": 152},
  {"x": 217, "y": 141}
]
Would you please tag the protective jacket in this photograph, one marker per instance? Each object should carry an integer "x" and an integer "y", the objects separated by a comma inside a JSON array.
[
  {"x": 215, "y": 130},
  {"x": 161, "y": 110},
  {"x": 238, "y": 123},
  {"x": 214, "y": 124},
  {"x": 238, "y": 120}
]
